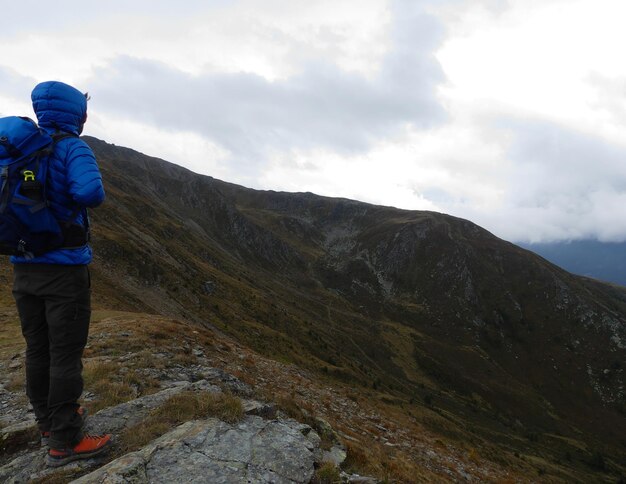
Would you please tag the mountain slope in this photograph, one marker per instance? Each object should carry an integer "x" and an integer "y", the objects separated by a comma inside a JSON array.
[
  {"x": 482, "y": 341},
  {"x": 418, "y": 304}
]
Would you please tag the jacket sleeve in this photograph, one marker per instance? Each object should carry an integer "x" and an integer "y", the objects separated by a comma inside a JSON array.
[{"x": 83, "y": 176}]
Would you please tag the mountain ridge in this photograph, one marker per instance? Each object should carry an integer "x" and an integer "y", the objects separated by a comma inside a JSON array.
[
  {"x": 418, "y": 308},
  {"x": 452, "y": 285}
]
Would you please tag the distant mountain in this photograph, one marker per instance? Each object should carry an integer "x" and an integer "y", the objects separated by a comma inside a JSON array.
[
  {"x": 605, "y": 261},
  {"x": 425, "y": 309}
]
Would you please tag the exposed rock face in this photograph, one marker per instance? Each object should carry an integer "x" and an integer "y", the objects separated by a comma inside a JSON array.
[
  {"x": 251, "y": 451},
  {"x": 17, "y": 435},
  {"x": 262, "y": 448},
  {"x": 31, "y": 465}
]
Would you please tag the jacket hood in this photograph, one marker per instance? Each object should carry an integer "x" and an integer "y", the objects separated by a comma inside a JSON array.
[{"x": 60, "y": 106}]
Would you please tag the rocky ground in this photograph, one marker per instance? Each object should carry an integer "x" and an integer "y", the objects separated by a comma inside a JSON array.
[
  {"x": 260, "y": 446},
  {"x": 184, "y": 401}
]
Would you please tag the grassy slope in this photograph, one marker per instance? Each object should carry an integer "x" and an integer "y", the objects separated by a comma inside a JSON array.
[
  {"x": 285, "y": 268},
  {"x": 432, "y": 430}
]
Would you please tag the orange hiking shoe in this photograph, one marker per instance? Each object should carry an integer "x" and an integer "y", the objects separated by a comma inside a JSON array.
[
  {"x": 45, "y": 436},
  {"x": 90, "y": 446}
]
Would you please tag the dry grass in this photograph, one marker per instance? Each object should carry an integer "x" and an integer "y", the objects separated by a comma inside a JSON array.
[
  {"x": 11, "y": 339},
  {"x": 328, "y": 473},
  {"x": 146, "y": 359},
  {"x": 243, "y": 376},
  {"x": 100, "y": 379},
  {"x": 59, "y": 477},
  {"x": 296, "y": 409},
  {"x": 144, "y": 385},
  {"x": 184, "y": 359},
  {"x": 473, "y": 456},
  {"x": 95, "y": 371},
  {"x": 136, "y": 437},
  {"x": 178, "y": 409},
  {"x": 16, "y": 382},
  {"x": 372, "y": 460},
  {"x": 224, "y": 406},
  {"x": 112, "y": 383},
  {"x": 115, "y": 334},
  {"x": 109, "y": 394}
]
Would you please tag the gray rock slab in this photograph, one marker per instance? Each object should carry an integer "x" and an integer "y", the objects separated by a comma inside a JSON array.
[
  {"x": 220, "y": 377},
  {"x": 114, "y": 419},
  {"x": 357, "y": 479},
  {"x": 337, "y": 455},
  {"x": 251, "y": 451},
  {"x": 260, "y": 409},
  {"x": 109, "y": 420},
  {"x": 17, "y": 436}
]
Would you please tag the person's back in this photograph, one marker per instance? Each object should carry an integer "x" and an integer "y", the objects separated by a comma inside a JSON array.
[
  {"x": 74, "y": 180},
  {"x": 52, "y": 291}
]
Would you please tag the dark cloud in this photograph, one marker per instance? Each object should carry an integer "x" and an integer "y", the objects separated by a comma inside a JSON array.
[{"x": 321, "y": 107}]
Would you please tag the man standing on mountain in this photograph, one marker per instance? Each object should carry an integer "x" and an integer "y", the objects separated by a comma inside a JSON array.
[{"x": 53, "y": 291}]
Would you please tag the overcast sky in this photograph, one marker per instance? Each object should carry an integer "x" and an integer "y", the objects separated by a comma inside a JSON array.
[{"x": 511, "y": 113}]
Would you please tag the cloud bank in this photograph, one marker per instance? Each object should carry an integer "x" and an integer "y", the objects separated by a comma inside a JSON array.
[
  {"x": 322, "y": 106},
  {"x": 493, "y": 110}
]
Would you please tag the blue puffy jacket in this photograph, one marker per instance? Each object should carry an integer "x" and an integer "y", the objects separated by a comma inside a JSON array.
[{"x": 73, "y": 174}]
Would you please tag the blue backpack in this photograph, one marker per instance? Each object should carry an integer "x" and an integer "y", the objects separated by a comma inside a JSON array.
[{"x": 28, "y": 227}]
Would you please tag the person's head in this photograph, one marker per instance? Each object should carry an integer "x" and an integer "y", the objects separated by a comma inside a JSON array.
[{"x": 61, "y": 106}]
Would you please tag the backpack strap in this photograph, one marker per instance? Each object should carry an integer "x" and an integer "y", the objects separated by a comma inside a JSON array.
[
  {"x": 4, "y": 189},
  {"x": 34, "y": 205},
  {"x": 11, "y": 149},
  {"x": 75, "y": 235},
  {"x": 59, "y": 135}
]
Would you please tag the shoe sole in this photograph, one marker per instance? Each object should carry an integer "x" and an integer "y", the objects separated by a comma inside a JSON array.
[
  {"x": 58, "y": 462},
  {"x": 46, "y": 440}
]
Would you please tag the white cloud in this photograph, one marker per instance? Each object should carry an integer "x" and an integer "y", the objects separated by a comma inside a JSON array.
[
  {"x": 417, "y": 169},
  {"x": 15, "y": 92},
  {"x": 537, "y": 58},
  {"x": 559, "y": 184},
  {"x": 183, "y": 148},
  {"x": 322, "y": 106},
  {"x": 273, "y": 41}
]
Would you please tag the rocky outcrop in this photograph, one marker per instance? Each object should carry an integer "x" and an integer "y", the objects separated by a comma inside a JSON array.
[
  {"x": 261, "y": 448},
  {"x": 31, "y": 465},
  {"x": 252, "y": 451},
  {"x": 17, "y": 436}
]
